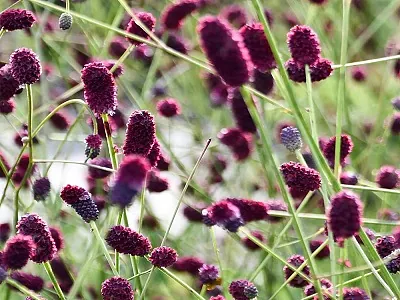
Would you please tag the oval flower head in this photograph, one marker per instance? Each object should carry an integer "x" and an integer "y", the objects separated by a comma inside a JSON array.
[
  {"x": 15, "y": 19},
  {"x": 129, "y": 180}
]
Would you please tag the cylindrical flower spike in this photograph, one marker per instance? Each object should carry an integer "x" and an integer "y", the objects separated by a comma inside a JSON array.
[
  {"x": 163, "y": 257},
  {"x": 25, "y": 66},
  {"x": 291, "y": 138},
  {"x": 17, "y": 252},
  {"x": 93, "y": 145},
  {"x": 174, "y": 14},
  {"x": 300, "y": 177},
  {"x": 8, "y": 84},
  {"x": 303, "y": 44},
  {"x": 117, "y": 288},
  {"x": 127, "y": 241},
  {"x": 148, "y": 21},
  {"x": 15, "y": 19},
  {"x": 41, "y": 188}
]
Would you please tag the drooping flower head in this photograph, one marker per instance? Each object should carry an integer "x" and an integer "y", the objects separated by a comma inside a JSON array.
[
  {"x": 346, "y": 146},
  {"x": 240, "y": 111},
  {"x": 225, "y": 49},
  {"x": 8, "y": 84},
  {"x": 303, "y": 44},
  {"x": 300, "y": 177},
  {"x": 127, "y": 241},
  {"x": 41, "y": 188},
  {"x": 260, "y": 52},
  {"x": 168, "y": 108},
  {"x": 163, "y": 257},
  {"x": 315, "y": 244},
  {"x": 174, "y": 14},
  {"x": 25, "y": 66},
  {"x": 129, "y": 179},
  {"x": 140, "y": 133},
  {"x": 344, "y": 215},
  {"x": 263, "y": 81},
  {"x": 32, "y": 282},
  {"x": 117, "y": 288},
  {"x": 100, "y": 89},
  {"x": 15, "y": 19},
  {"x": 296, "y": 261},
  {"x": 148, "y": 21},
  {"x": 17, "y": 252}
]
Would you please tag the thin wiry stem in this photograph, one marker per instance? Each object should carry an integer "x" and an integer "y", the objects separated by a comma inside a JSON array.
[{"x": 53, "y": 279}]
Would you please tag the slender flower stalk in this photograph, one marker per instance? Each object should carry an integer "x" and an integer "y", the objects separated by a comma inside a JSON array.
[{"x": 53, "y": 279}]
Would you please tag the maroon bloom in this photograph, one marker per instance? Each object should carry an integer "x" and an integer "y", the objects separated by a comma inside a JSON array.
[
  {"x": 15, "y": 19},
  {"x": 41, "y": 189},
  {"x": 174, "y": 14},
  {"x": 346, "y": 146},
  {"x": 250, "y": 210},
  {"x": 208, "y": 274},
  {"x": 300, "y": 177},
  {"x": 93, "y": 145},
  {"x": 25, "y": 66},
  {"x": 349, "y": 178},
  {"x": 240, "y": 111},
  {"x": 100, "y": 162},
  {"x": 225, "y": 49},
  {"x": 249, "y": 244},
  {"x": 32, "y": 282},
  {"x": 395, "y": 124},
  {"x": 344, "y": 215},
  {"x": 140, "y": 133},
  {"x": 73, "y": 193},
  {"x": 296, "y": 71},
  {"x": 188, "y": 264},
  {"x": 154, "y": 155},
  {"x": 296, "y": 261},
  {"x": 156, "y": 183},
  {"x": 193, "y": 213},
  {"x": 100, "y": 89},
  {"x": 354, "y": 293},
  {"x": 5, "y": 229},
  {"x": 303, "y": 44},
  {"x": 8, "y": 85},
  {"x": 219, "y": 297},
  {"x": 385, "y": 245},
  {"x": 163, "y": 162},
  {"x": 32, "y": 225},
  {"x": 129, "y": 179},
  {"x": 117, "y": 288},
  {"x": 7, "y": 106},
  {"x": 178, "y": 43},
  {"x": 310, "y": 289},
  {"x": 238, "y": 141},
  {"x": 235, "y": 15},
  {"x": 256, "y": 42},
  {"x": 359, "y": 73},
  {"x": 275, "y": 205},
  {"x": 388, "y": 177},
  {"x": 163, "y": 257},
  {"x": 168, "y": 108},
  {"x": 17, "y": 252},
  {"x": 263, "y": 81},
  {"x": 127, "y": 241},
  {"x": 319, "y": 2},
  {"x": 226, "y": 215},
  {"x": 321, "y": 69},
  {"x": 60, "y": 120},
  {"x": 148, "y": 21},
  {"x": 237, "y": 289},
  {"x": 58, "y": 238},
  {"x": 315, "y": 244},
  {"x": 118, "y": 46}
]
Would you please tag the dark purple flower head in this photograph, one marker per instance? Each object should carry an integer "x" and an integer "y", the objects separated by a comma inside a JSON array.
[
  {"x": 354, "y": 294},
  {"x": 129, "y": 179},
  {"x": 188, "y": 264},
  {"x": 25, "y": 66},
  {"x": 118, "y": 46},
  {"x": 41, "y": 188},
  {"x": 60, "y": 120},
  {"x": 32, "y": 282},
  {"x": 163, "y": 257},
  {"x": 303, "y": 44},
  {"x": 148, "y": 21},
  {"x": 263, "y": 81},
  {"x": 260, "y": 52},
  {"x": 238, "y": 141},
  {"x": 291, "y": 138},
  {"x": 100, "y": 89},
  {"x": 7, "y": 106},
  {"x": 315, "y": 244},
  {"x": 154, "y": 154},
  {"x": 385, "y": 245},
  {"x": 237, "y": 289},
  {"x": 3, "y": 274},
  {"x": 240, "y": 112},
  {"x": 117, "y": 288},
  {"x": 127, "y": 241},
  {"x": 86, "y": 209},
  {"x": 174, "y": 14},
  {"x": 163, "y": 162},
  {"x": 156, "y": 183},
  {"x": 17, "y": 252},
  {"x": 319, "y": 2},
  {"x": 298, "y": 176},
  {"x": 275, "y": 205},
  {"x": 250, "y": 210},
  {"x": 359, "y": 73},
  {"x": 393, "y": 265},
  {"x": 235, "y": 15},
  {"x": 101, "y": 162},
  {"x": 193, "y": 213},
  {"x": 388, "y": 177},
  {"x": 346, "y": 146},
  {"x": 208, "y": 274},
  {"x": 395, "y": 124},
  {"x": 8, "y": 85},
  {"x": 225, "y": 49},
  {"x": 178, "y": 43},
  {"x": 5, "y": 229},
  {"x": 309, "y": 290},
  {"x": 144, "y": 54},
  {"x": 321, "y": 69},
  {"x": 109, "y": 64},
  {"x": 140, "y": 133},
  {"x": 249, "y": 244},
  {"x": 73, "y": 193},
  {"x": 225, "y": 214},
  {"x": 344, "y": 215},
  {"x": 15, "y": 19},
  {"x": 168, "y": 108},
  {"x": 58, "y": 238},
  {"x": 296, "y": 71},
  {"x": 93, "y": 145},
  {"x": 296, "y": 261},
  {"x": 348, "y": 178},
  {"x": 61, "y": 271}
]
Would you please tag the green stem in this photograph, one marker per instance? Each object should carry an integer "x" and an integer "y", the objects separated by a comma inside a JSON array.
[
  {"x": 23, "y": 289},
  {"x": 96, "y": 232},
  {"x": 110, "y": 142},
  {"x": 369, "y": 61},
  {"x": 139, "y": 274},
  {"x": 311, "y": 107},
  {"x": 53, "y": 279}
]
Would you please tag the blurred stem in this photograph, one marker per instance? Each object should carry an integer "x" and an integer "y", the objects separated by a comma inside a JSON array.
[
  {"x": 96, "y": 232},
  {"x": 311, "y": 108},
  {"x": 23, "y": 289},
  {"x": 343, "y": 257},
  {"x": 138, "y": 275},
  {"x": 366, "y": 62},
  {"x": 341, "y": 85},
  {"x": 142, "y": 206},
  {"x": 217, "y": 254},
  {"x": 2, "y": 31},
  {"x": 53, "y": 279}
]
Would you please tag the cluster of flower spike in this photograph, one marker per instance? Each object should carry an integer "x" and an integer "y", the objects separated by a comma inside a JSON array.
[{"x": 305, "y": 49}]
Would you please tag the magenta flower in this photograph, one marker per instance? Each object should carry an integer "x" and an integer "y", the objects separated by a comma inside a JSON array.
[
  {"x": 117, "y": 288},
  {"x": 174, "y": 14},
  {"x": 15, "y": 19},
  {"x": 188, "y": 264},
  {"x": 17, "y": 252},
  {"x": 346, "y": 147},
  {"x": 8, "y": 85},
  {"x": 388, "y": 177},
  {"x": 301, "y": 177},
  {"x": 148, "y": 21},
  {"x": 296, "y": 261},
  {"x": 163, "y": 257},
  {"x": 127, "y": 241},
  {"x": 303, "y": 44},
  {"x": 240, "y": 111},
  {"x": 25, "y": 66},
  {"x": 168, "y": 108}
]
